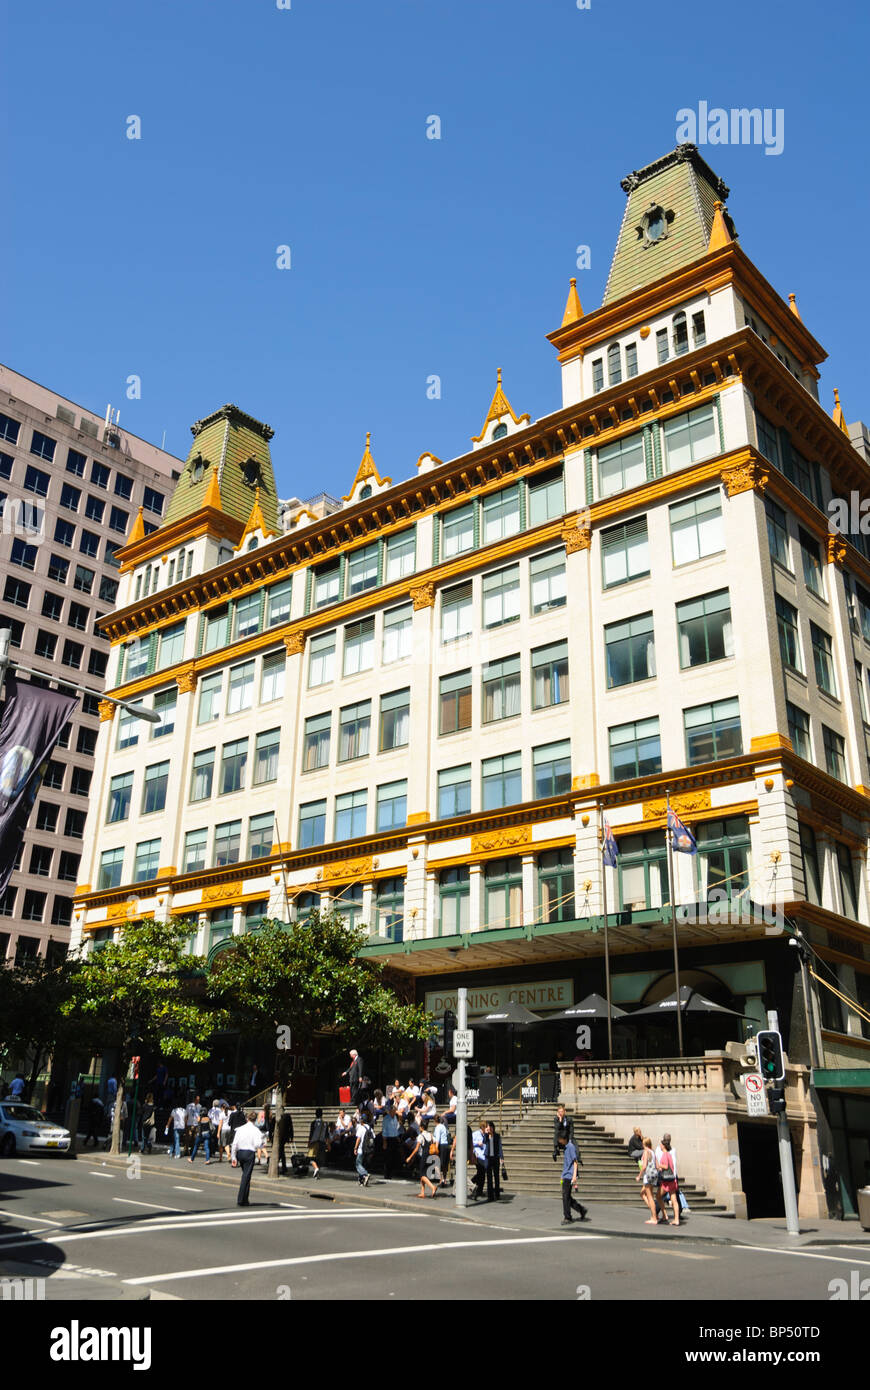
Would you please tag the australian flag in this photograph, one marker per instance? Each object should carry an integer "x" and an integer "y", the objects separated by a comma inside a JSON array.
[
  {"x": 32, "y": 720},
  {"x": 682, "y": 838},
  {"x": 611, "y": 850}
]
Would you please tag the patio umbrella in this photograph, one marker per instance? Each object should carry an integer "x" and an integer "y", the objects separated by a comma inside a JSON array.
[
  {"x": 592, "y": 1007},
  {"x": 690, "y": 1002},
  {"x": 510, "y": 1014}
]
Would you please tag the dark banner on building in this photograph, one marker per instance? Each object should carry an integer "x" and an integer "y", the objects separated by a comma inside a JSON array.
[{"x": 31, "y": 722}]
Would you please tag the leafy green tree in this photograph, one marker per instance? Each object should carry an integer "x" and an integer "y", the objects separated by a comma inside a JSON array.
[
  {"x": 32, "y": 995},
  {"x": 308, "y": 977},
  {"x": 140, "y": 994}
]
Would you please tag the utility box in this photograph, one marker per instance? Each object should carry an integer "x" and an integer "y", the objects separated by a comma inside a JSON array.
[{"x": 864, "y": 1207}]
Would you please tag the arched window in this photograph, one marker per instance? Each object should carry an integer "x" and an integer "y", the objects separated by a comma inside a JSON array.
[
  {"x": 365, "y": 491},
  {"x": 614, "y": 365},
  {"x": 499, "y": 432},
  {"x": 681, "y": 334},
  {"x": 252, "y": 543},
  {"x": 305, "y": 903}
]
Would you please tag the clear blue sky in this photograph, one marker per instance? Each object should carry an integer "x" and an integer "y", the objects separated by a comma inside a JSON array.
[{"x": 410, "y": 256}]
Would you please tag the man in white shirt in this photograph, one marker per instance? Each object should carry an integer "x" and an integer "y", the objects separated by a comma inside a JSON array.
[
  {"x": 246, "y": 1140},
  {"x": 175, "y": 1128},
  {"x": 362, "y": 1148}
]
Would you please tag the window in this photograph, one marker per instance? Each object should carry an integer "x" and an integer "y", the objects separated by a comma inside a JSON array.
[
  {"x": 362, "y": 569},
  {"x": 398, "y": 625},
  {"x": 552, "y": 769},
  {"x": 195, "y": 846},
  {"x": 241, "y": 687},
  {"x": 353, "y": 729},
  {"x": 118, "y": 520},
  {"x": 43, "y": 447},
  {"x": 74, "y": 825},
  {"x": 40, "y": 860},
  {"x": 260, "y": 835},
  {"x": 625, "y": 552},
  {"x": 548, "y": 584},
  {"x": 662, "y": 348},
  {"x": 812, "y": 875},
  {"x": 128, "y": 729},
  {"x": 629, "y": 650},
  {"x": 501, "y": 514},
  {"x": 138, "y": 657},
  {"x": 97, "y": 663},
  {"x": 862, "y": 698},
  {"x": 502, "y": 781},
  {"x": 454, "y": 702},
  {"x": 25, "y": 555},
  {"x": 546, "y": 497},
  {"x": 501, "y": 597},
  {"x": 7, "y": 909},
  {"x": 52, "y": 605},
  {"x": 83, "y": 579},
  {"x": 6, "y": 462},
  {"x": 70, "y": 497},
  {"x": 631, "y": 359},
  {"x": 210, "y": 698},
  {"x": 234, "y": 761},
  {"x": 823, "y": 660},
  {"x": 502, "y": 696},
  {"x": 312, "y": 824},
  {"x": 835, "y": 753},
  {"x": 389, "y": 907},
  {"x": 266, "y": 747},
  {"x": 454, "y": 791},
  {"x": 61, "y": 916},
  {"x": 457, "y": 618},
  {"x": 89, "y": 544},
  {"x": 45, "y": 645},
  {"x": 681, "y": 334},
  {"x": 550, "y": 675},
  {"x": 16, "y": 631},
  {"x": 321, "y": 659},
  {"x": 46, "y": 816},
  {"x": 401, "y": 555},
  {"x": 556, "y": 886},
  {"x": 862, "y": 599},
  {"x": 642, "y": 872},
  {"x": 99, "y": 474},
  {"x": 152, "y": 501},
  {"x": 17, "y": 592},
  {"x": 392, "y": 808},
  {"x": 359, "y": 647},
  {"x": 768, "y": 441},
  {"x": 777, "y": 531},
  {"x": 171, "y": 646},
  {"x": 598, "y": 375},
  {"x": 699, "y": 329},
  {"x": 202, "y": 775},
  {"x": 165, "y": 704},
  {"x": 503, "y": 893},
  {"x": 272, "y": 681},
  {"x": 350, "y": 815},
  {"x": 154, "y": 789},
  {"x": 68, "y": 867},
  {"x": 111, "y": 868},
  {"x": 457, "y": 531},
  {"x": 227, "y": 843},
  {"x": 120, "y": 794},
  {"x": 216, "y": 629},
  {"x": 246, "y": 618},
  {"x": 454, "y": 901},
  {"x": 78, "y": 616},
  {"x": 327, "y": 584},
  {"x": 846, "y": 875},
  {"x": 712, "y": 731},
  {"x": 635, "y": 750},
  {"x": 799, "y": 731},
  {"x": 278, "y": 603},
  {"x": 395, "y": 720},
  {"x": 94, "y": 508},
  {"x": 614, "y": 365},
  {"x": 75, "y": 463},
  {"x": 691, "y": 437},
  {"x": 621, "y": 465},
  {"x": 147, "y": 861},
  {"x": 704, "y": 627},
  {"x": 315, "y": 749},
  {"x": 348, "y": 903},
  {"x": 789, "y": 635},
  {"x": 812, "y": 563},
  {"x": 64, "y": 532},
  {"x": 54, "y": 775},
  {"x": 9, "y": 429},
  {"x": 72, "y": 654},
  {"x": 123, "y": 487}
]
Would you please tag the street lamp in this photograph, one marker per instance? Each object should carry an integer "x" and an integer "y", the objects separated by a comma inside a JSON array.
[{"x": 137, "y": 711}]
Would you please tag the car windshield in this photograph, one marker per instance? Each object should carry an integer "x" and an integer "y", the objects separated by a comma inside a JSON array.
[{"x": 21, "y": 1112}]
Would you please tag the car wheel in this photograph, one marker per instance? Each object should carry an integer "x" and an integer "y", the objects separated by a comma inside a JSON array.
[{"x": 7, "y": 1145}]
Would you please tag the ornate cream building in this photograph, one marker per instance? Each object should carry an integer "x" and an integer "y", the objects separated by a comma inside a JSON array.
[{"x": 416, "y": 703}]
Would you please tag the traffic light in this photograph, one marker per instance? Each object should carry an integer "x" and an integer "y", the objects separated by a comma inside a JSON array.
[
  {"x": 449, "y": 1027},
  {"x": 777, "y": 1100},
  {"x": 770, "y": 1059}
]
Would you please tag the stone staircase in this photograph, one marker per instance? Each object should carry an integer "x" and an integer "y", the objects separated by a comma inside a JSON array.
[{"x": 607, "y": 1174}]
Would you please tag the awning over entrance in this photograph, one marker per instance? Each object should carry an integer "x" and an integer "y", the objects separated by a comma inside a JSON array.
[{"x": 856, "y": 1079}]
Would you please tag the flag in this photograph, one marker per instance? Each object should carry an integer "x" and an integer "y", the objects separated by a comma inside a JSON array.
[
  {"x": 682, "y": 839},
  {"x": 611, "y": 849},
  {"x": 32, "y": 720}
]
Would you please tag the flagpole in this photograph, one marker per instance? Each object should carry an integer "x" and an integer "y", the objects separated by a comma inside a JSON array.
[
  {"x": 670, "y": 842},
  {"x": 606, "y": 938}
]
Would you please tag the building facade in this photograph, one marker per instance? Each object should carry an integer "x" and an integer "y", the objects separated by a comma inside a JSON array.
[
  {"x": 421, "y": 707},
  {"x": 71, "y": 485}
]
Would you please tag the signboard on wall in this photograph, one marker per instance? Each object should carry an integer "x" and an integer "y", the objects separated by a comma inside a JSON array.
[{"x": 538, "y": 995}]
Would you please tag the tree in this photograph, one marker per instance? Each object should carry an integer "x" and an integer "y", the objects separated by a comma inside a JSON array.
[
  {"x": 32, "y": 995},
  {"x": 308, "y": 977},
  {"x": 137, "y": 994}
]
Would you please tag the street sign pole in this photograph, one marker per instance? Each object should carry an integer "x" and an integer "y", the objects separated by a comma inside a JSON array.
[
  {"x": 460, "y": 1172},
  {"x": 786, "y": 1163}
]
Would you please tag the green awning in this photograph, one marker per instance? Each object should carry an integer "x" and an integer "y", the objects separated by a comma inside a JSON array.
[{"x": 851, "y": 1079}]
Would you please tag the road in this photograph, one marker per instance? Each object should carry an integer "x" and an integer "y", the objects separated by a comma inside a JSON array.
[{"x": 180, "y": 1235}]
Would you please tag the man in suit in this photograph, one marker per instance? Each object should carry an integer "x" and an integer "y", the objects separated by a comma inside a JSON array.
[
  {"x": 494, "y": 1160},
  {"x": 563, "y": 1132},
  {"x": 354, "y": 1075}
]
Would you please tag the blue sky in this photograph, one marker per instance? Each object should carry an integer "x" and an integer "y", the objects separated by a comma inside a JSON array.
[{"x": 410, "y": 257}]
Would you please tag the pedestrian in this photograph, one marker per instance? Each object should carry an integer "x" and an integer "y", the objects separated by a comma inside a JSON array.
[
  {"x": 235, "y": 1120},
  {"x": 149, "y": 1123},
  {"x": 390, "y": 1136},
  {"x": 666, "y": 1171},
  {"x": 243, "y": 1153},
  {"x": 635, "y": 1146},
  {"x": 563, "y": 1131},
  {"x": 449, "y": 1116},
  {"x": 354, "y": 1076},
  {"x": 318, "y": 1134},
  {"x": 429, "y": 1171},
  {"x": 284, "y": 1131},
  {"x": 647, "y": 1177},
  {"x": 570, "y": 1163},
  {"x": 441, "y": 1135},
  {"x": 175, "y": 1127},
  {"x": 263, "y": 1127},
  {"x": 96, "y": 1113},
  {"x": 111, "y": 1090},
  {"x": 253, "y": 1080},
  {"x": 495, "y": 1168},
  {"x": 202, "y": 1135},
  {"x": 17, "y": 1087},
  {"x": 365, "y": 1142},
  {"x": 480, "y": 1149}
]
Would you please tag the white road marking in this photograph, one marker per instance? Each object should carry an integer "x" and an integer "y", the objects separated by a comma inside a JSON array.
[
  {"x": 805, "y": 1254},
  {"x": 195, "y": 1221},
  {"x": 681, "y": 1254},
  {"x": 20, "y": 1216},
  {"x": 95, "y": 1173},
  {"x": 129, "y": 1201},
  {"x": 179, "y": 1188},
  {"x": 459, "y": 1246},
  {"x": 31, "y": 1162}
]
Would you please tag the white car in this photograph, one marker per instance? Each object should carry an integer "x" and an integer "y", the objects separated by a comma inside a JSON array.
[{"x": 23, "y": 1130}]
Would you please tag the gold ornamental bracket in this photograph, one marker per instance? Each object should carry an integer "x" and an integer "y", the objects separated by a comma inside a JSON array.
[
  {"x": 577, "y": 535},
  {"x": 836, "y": 549},
  {"x": 294, "y": 642},
  {"x": 107, "y": 710},
  {"x": 751, "y": 476},
  {"x": 423, "y": 596},
  {"x": 186, "y": 680},
  {"x": 685, "y": 804}
]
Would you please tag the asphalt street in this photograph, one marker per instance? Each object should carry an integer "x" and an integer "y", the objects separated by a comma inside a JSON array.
[{"x": 91, "y": 1231}]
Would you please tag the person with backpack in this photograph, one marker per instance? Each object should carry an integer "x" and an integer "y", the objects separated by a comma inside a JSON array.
[
  {"x": 666, "y": 1169},
  {"x": 318, "y": 1135},
  {"x": 365, "y": 1143},
  {"x": 426, "y": 1150}
]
